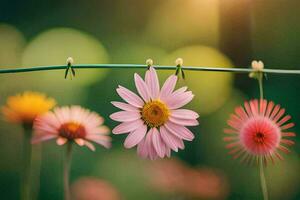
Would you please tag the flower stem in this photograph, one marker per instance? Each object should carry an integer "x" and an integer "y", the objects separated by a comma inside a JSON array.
[
  {"x": 26, "y": 167},
  {"x": 260, "y": 83},
  {"x": 263, "y": 180},
  {"x": 36, "y": 159},
  {"x": 67, "y": 164}
]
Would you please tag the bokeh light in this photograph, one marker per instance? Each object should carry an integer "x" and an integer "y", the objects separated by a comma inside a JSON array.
[
  {"x": 12, "y": 42},
  {"x": 176, "y": 23},
  {"x": 54, "y": 46},
  {"x": 135, "y": 53},
  {"x": 211, "y": 89},
  {"x": 90, "y": 188}
]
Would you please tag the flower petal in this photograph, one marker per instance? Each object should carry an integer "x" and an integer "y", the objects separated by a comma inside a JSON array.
[
  {"x": 124, "y": 106},
  {"x": 130, "y": 97},
  {"x": 89, "y": 145},
  {"x": 37, "y": 138},
  {"x": 179, "y": 100},
  {"x": 135, "y": 137},
  {"x": 127, "y": 127},
  {"x": 61, "y": 141},
  {"x": 152, "y": 82},
  {"x": 168, "y": 87},
  {"x": 158, "y": 143},
  {"x": 180, "y": 131},
  {"x": 149, "y": 145},
  {"x": 79, "y": 141},
  {"x": 141, "y": 148},
  {"x": 103, "y": 140},
  {"x": 141, "y": 87},
  {"x": 171, "y": 140},
  {"x": 184, "y": 114},
  {"x": 125, "y": 116},
  {"x": 184, "y": 122}
]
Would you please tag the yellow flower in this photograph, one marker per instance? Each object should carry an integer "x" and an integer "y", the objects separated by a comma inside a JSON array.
[{"x": 25, "y": 107}]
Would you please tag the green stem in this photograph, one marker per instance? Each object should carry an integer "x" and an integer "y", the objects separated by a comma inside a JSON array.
[
  {"x": 261, "y": 162},
  {"x": 67, "y": 165},
  {"x": 36, "y": 159},
  {"x": 138, "y": 66},
  {"x": 263, "y": 179},
  {"x": 260, "y": 83},
  {"x": 26, "y": 168}
]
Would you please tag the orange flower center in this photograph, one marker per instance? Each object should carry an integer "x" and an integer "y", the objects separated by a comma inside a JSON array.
[
  {"x": 155, "y": 113},
  {"x": 72, "y": 130}
]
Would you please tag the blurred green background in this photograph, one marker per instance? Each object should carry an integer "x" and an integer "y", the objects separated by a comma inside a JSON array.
[{"x": 223, "y": 33}]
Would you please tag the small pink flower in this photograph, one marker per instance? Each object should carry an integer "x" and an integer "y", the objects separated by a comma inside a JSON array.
[
  {"x": 259, "y": 129},
  {"x": 154, "y": 121},
  {"x": 74, "y": 123}
]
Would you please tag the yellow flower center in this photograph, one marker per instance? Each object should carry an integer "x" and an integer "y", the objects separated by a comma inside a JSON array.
[
  {"x": 155, "y": 113},
  {"x": 72, "y": 130}
]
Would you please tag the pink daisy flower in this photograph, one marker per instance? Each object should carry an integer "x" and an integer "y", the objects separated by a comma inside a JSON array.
[
  {"x": 259, "y": 129},
  {"x": 153, "y": 120},
  {"x": 68, "y": 124}
]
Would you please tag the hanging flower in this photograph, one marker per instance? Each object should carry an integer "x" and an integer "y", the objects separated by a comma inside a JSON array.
[
  {"x": 68, "y": 124},
  {"x": 154, "y": 121},
  {"x": 25, "y": 107},
  {"x": 259, "y": 129}
]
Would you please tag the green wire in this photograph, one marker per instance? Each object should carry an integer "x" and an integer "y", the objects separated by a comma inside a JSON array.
[{"x": 138, "y": 66}]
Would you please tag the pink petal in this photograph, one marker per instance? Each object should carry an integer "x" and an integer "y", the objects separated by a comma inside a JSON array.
[
  {"x": 179, "y": 91},
  {"x": 247, "y": 108},
  {"x": 106, "y": 142},
  {"x": 184, "y": 122},
  {"x": 254, "y": 107},
  {"x": 125, "y": 116},
  {"x": 62, "y": 114},
  {"x": 241, "y": 113},
  {"x": 149, "y": 145},
  {"x": 283, "y": 120},
  {"x": 103, "y": 130},
  {"x": 79, "y": 141},
  {"x": 141, "y": 148},
  {"x": 91, "y": 119},
  {"x": 269, "y": 108},
  {"x": 152, "y": 82},
  {"x": 180, "y": 131},
  {"x": 98, "y": 137},
  {"x": 124, "y": 106},
  {"x": 47, "y": 123},
  {"x": 171, "y": 140},
  {"x": 61, "y": 141},
  {"x": 158, "y": 143},
  {"x": 141, "y": 87},
  {"x": 135, "y": 137},
  {"x": 263, "y": 106},
  {"x": 130, "y": 97},
  {"x": 279, "y": 115},
  {"x": 275, "y": 111},
  {"x": 40, "y": 138},
  {"x": 89, "y": 145},
  {"x": 168, "y": 152},
  {"x": 184, "y": 114},
  {"x": 168, "y": 87},
  {"x": 127, "y": 127},
  {"x": 179, "y": 100}
]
